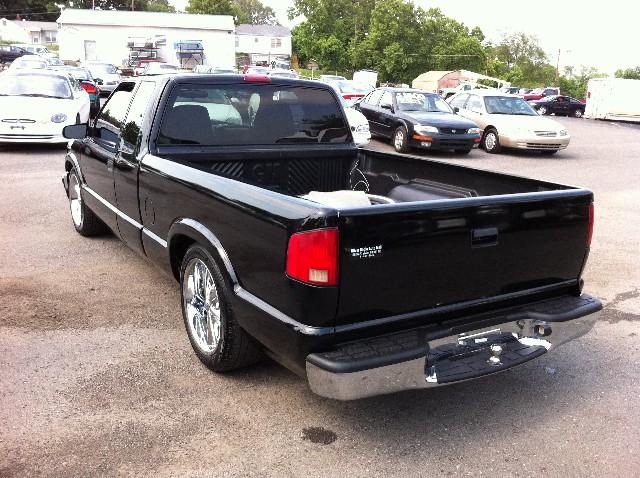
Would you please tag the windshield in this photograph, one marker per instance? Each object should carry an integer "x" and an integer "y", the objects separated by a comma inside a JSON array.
[
  {"x": 351, "y": 87},
  {"x": 537, "y": 91},
  {"x": 29, "y": 63},
  {"x": 108, "y": 69},
  {"x": 80, "y": 74},
  {"x": 45, "y": 86},
  {"x": 217, "y": 115},
  {"x": 507, "y": 105},
  {"x": 415, "y": 101}
]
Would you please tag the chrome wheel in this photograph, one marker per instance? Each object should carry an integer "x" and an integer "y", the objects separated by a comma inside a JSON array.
[
  {"x": 490, "y": 141},
  {"x": 201, "y": 305},
  {"x": 398, "y": 139},
  {"x": 75, "y": 200},
  {"x": 577, "y": 113},
  {"x": 543, "y": 110}
]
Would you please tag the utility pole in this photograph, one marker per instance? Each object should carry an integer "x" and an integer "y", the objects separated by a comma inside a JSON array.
[{"x": 132, "y": 5}]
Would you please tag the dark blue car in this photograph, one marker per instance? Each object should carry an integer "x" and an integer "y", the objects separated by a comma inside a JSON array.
[{"x": 417, "y": 119}]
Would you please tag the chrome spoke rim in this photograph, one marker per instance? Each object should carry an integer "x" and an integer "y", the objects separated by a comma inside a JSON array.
[
  {"x": 399, "y": 139},
  {"x": 75, "y": 200},
  {"x": 201, "y": 305},
  {"x": 490, "y": 141}
]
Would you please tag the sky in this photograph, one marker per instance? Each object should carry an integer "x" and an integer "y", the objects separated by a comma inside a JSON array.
[{"x": 602, "y": 34}]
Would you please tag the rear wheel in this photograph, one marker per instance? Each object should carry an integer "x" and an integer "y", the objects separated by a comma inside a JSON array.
[
  {"x": 213, "y": 331},
  {"x": 491, "y": 141},
  {"x": 542, "y": 110},
  {"x": 84, "y": 219},
  {"x": 577, "y": 113},
  {"x": 400, "y": 140}
]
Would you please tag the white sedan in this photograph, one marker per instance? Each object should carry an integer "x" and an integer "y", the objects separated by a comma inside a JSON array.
[{"x": 36, "y": 105}]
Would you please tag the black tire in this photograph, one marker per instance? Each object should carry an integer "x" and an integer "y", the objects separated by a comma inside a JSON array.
[
  {"x": 543, "y": 110},
  {"x": 84, "y": 220},
  {"x": 491, "y": 145},
  {"x": 577, "y": 113},
  {"x": 548, "y": 152},
  {"x": 400, "y": 140},
  {"x": 462, "y": 152},
  {"x": 235, "y": 348}
]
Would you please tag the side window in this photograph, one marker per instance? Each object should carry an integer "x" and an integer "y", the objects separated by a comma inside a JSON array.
[
  {"x": 115, "y": 110},
  {"x": 133, "y": 124},
  {"x": 460, "y": 100},
  {"x": 374, "y": 97},
  {"x": 386, "y": 99},
  {"x": 475, "y": 104}
]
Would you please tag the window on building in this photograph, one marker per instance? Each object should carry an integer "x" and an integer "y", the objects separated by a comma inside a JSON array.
[
  {"x": 35, "y": 38},
  {"x": 50, "y": 37},
  {"x": 276, "y": 42},
  {"x": 255, "y": 39}
]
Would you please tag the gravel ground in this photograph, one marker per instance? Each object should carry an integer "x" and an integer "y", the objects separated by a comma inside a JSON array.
[{"x": 97, "y": 377}]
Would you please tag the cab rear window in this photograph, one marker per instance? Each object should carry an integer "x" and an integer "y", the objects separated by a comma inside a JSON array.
[{"x": 219, "y": 115}]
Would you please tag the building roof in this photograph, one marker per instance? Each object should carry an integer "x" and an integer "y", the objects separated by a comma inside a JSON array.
[
  {"x": 36, "y": 26},
  {"x": 263, "y": 30},
  {"x": 127, "y": 18}
]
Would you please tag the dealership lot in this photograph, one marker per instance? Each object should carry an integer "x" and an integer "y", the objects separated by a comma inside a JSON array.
[{"x": 97, "y": 376}]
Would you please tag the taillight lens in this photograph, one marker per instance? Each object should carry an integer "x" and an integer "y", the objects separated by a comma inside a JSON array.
[
  {"x": 88, "y": 87},
  {"x": 312, "y": 257},
  {"x": 255, "y": 78},
  {"x": 590, "y": 233}
]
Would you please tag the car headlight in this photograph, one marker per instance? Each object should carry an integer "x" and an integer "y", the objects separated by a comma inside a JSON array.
[
  {"x": 424, "y": 129},
  {"x": 473, "y": 131},
  {"x": 59, "y": 118},
  {"x": 563, "y": 132}
]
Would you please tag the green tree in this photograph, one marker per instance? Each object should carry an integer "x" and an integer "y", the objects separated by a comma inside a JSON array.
[
  {"x": 629, "y": 73},
  {"x": 254, "y": 12},
  {"x": 212, "y": 7}
]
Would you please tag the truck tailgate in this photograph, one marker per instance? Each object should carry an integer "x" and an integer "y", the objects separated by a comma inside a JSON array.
[{"x": 409, "y": 257}]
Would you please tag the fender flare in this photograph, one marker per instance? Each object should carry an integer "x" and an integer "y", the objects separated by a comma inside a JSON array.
[{"x": 201, "y": 234}]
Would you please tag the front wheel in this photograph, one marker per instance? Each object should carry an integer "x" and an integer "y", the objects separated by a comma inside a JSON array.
[
  {"x": 400, "y": 140},
  {"x": 577, "y": 113},
  {"x": 491, "y": 141},
  {"x": 213, "y": 331},
  {"x": 542, "y": 110},
  {"x": 84, "y": 219}
]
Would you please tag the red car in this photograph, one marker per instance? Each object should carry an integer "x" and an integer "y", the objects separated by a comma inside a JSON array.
[{"x": 540, "y": 93}]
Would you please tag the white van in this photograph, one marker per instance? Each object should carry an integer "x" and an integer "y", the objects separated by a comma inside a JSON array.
[{"x": 613, "y": 99}]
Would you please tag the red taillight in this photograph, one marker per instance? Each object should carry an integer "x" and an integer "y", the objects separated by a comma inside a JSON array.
[
  {"x": 351, "y": 97},
  {"x": 88, "y": 87},
  {"x": 590, "y": 233},
  {"x": 256, "y": 78},
  {"x": 312, "y": 257}
]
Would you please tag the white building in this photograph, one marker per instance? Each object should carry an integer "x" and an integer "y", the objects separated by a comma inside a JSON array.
[
  {"x": 39, "y": 32},
  {"x": 264, "y": 42},
  {"x": 104, "y": 34},
  {"x": 9, "y": 31}
]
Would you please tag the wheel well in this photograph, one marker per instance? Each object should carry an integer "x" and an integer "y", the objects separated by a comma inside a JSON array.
[
  {"x": 177, "y": 249},
  {"x": 68, "y": 165}
]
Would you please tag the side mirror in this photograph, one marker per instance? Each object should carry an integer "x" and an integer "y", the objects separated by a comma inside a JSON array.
[
  {"x": 385, "y": 106},
  {"x": 99, "y": 81},
  {"x": 75, "y": 131},
  {"x": 456, "y": 110}
]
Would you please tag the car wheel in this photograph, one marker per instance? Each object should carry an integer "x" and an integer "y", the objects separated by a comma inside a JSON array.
[
  {"x": 400, "y": 140},
  {"x": 84, "y": 219},
  {"x": 577, "y": 113},
  {"x": 542, "y": 110},
  {"x": 213, "y": 331},
  {"x": 491, "y": 141},
  {"x": 462, "y": 151},
  {"x": 548, "y": 152}
]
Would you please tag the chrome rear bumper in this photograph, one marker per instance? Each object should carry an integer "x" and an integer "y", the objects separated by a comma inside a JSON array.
[{"x": 445, "y": 360}]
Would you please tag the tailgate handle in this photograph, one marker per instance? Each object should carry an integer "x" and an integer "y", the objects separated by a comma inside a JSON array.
[{"x": 484, "y": 237}]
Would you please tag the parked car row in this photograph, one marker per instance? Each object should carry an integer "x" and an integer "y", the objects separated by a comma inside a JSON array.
[{"x": 413, "y": 118}]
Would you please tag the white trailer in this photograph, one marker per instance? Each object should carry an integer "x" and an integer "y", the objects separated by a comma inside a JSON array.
[
  {"x": 613, "y": 99},
  {"x": 366, "y": 77}
]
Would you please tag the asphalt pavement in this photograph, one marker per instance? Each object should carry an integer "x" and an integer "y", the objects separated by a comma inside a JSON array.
[{"x": 97, "y": 376}]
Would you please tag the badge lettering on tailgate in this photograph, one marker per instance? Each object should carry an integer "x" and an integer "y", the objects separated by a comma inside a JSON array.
[{"x": 366, "y": 252}]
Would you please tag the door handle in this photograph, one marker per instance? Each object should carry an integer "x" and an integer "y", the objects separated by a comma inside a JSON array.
[{"x": 484, "y": 237}]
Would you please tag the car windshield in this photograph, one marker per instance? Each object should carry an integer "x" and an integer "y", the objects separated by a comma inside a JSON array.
[
  {"x": 217, "y": 115},
  {"x": 106, "y": 68},
  {"x": 46, "y": 86},
  {"x": 416, "y": 101},
  {"x": 537, "y": 91},
  {"x": 507, "y": 105},
  {"x": 80, "y": 74},
  {"x": 352, "y": 87},
  {"x": 24, "y": 63},
  {"x": 284, "y": 74}
]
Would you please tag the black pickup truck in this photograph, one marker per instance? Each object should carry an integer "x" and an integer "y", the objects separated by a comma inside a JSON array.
[{"x": 366, "y": 272}]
